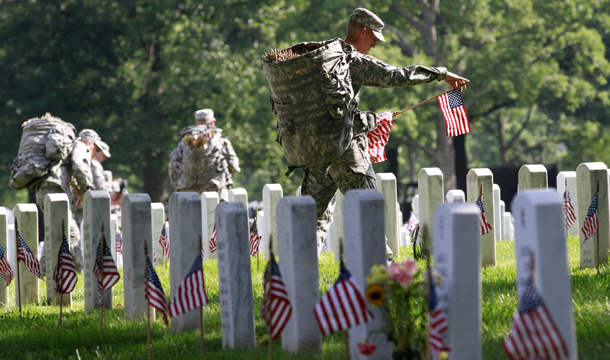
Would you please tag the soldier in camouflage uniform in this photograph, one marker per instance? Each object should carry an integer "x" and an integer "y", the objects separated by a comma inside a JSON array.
[
  {"x": 203, "y": 160},
  {"x": 73, "y": 177},
  {"x": 352, "y": 169}
]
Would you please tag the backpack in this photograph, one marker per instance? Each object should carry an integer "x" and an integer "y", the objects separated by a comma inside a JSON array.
[
  {"x": 45, "y": 142},
  {"x": 312, "y": 96}
]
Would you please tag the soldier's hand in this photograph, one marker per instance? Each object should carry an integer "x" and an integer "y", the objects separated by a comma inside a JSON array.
[{"x": 455, "y": 80}]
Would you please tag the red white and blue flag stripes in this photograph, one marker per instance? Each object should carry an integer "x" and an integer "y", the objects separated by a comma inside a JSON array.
[
  {"x": 591, "y": 222},
  {"x": 343, "y": 306},
  {"x": 276, "y": 308},
  {"x": 212, "y": 241},
  {"x": 164, "y": 241},
  {"x": 154, "y": 291},
  {"x": 119, "y": 242},
  {"x": 452, "y": 106},
  {"x": 412, "y": 223},
  {"x": 437, "y": 322},
  {"x": 379, "y": 137},
  {"x": 569, "y": 214},
  {"x": 5, "y": 267},
  {"x": 534, "y": 334},
  {"x": 65, "y": 273},
  {"x": 485, "y": 227},
  {"x": 25, "y": 254},
  {"x": 255, "y": 238},
  {"x": 191, "y": 292},
  {"x": 105, "y": 264}
]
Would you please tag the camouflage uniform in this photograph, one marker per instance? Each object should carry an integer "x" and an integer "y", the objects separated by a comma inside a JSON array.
[
  {"x": 203, "y": 165},
  {"x": 75, "y": 170}
]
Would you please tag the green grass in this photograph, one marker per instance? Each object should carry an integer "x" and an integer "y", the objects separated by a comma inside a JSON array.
[{"x": 37, "y": 335}]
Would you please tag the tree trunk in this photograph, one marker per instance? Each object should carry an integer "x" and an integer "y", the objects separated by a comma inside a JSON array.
[
  {"x": 154, "y": 175},
  {"x": 445, "y": 154},
  {"x": 461, "y": 161}
]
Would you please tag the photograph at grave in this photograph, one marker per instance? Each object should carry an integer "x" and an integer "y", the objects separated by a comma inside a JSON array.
[{"x": 414, "y": 180}]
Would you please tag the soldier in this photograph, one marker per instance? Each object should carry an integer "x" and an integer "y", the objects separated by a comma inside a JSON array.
[
  {"x": 342, "y": 129},
  {"x": 203, "y": 160}
]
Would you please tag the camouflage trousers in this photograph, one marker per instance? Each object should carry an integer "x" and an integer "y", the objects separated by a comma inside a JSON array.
[
  {"x": 223, "y": 192},
  {"x": 75, "y": 246},
  {"x": 353, "y": 170}
]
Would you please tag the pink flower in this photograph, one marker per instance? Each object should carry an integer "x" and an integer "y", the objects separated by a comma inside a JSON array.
[
  {"x": 403, "y": 273},
  {"x": 366, "y": 349}
]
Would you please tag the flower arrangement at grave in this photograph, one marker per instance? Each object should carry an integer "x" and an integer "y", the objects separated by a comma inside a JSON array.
[{"x": 400, "y": 292}]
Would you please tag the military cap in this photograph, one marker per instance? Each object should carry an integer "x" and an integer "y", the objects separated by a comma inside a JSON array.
[
  {"x": 206, "y": 115},
  {"x": 369, "y": 20},
  {"x": 92, "y": 135}
]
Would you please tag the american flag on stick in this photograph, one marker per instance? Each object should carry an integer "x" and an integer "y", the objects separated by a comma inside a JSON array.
[
  {"x": 255, "y": 238},
  {"x": 65, "y": 274},
  {"x": 191, "y": 292},
  {"x": 25, "y": 255},
  {"x": 212, "y": 241},
  {"x": 452, "y": 106},
  {"x": 343, "y": 306},
  {"x": 154, "y": 291},
  {"x": 569, "y": 214},
  {"x": 104, "y": 269},
  {"x": 164, "y": 241},
  {"x": 119, "y": 242},
  {"x": 437, "y": 322},
  {"x": 275, "y": 309},
  {"x": 534, "y": 334},
  {"x": 379, "y": 137},
  {"x": 591, "y": 222},
  {"x": 412, "y": 223},
  {"x": 5, "y": 267},
  {"x": 485, "y": 227}
]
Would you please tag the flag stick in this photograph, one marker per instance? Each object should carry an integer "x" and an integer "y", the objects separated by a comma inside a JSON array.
[
  {"x": 597, "y": 249},
  {"x": 17, "y": 262},
  {"x": 425, "y": 101},
  {"x": 101, "y": 295},
  {"x": 61, "y": 275},
  {"x": 257, "y": 250},
  {"x": 345, "y": 334},
  {"x": 270, "y": 274},
  {"x": 147, "y": 298},
  {"x": 565, "y": 199},
  {"x": 201, "y": 307}
]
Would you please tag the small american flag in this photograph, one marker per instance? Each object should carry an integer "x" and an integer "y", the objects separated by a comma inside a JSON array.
[
  {"x": 534, "y": 334},
  {"x": 25, "y": 254},
  {"x": 111, "y": 274},
  {"x": 343, "y": 306},
  {"x": 379, "y": 137},
  {"x": 191, "y": 292},
  {"x": 5, "y": 267},
  {"x": 591, "y": 222},
  {"x": 155, "y": 291},
  {"x": 119, "y": 242},
  {"x": 65, "y": 274},
  {"x": 164, "y": 241},
  {"x": 275, "y": 309},
  {"x": 485, "y": 227},
  {"x": 324, "y": 246},
  {"x": 255, "y": 238},
  {"x": 412, "y": 223},
  {"x": 452, "y": 106},
  {"x": 212, "y": 241},
  {"x": 154, "y": 256},
  {"x": 569, "y": 214},
  {"x": 437, "y": 322}
]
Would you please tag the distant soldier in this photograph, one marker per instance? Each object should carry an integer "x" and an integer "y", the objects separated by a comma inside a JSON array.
[{"x": 203, "y": 160}]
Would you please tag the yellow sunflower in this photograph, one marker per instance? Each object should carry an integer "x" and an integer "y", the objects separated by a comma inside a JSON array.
[{"x": 375, "y": 294}]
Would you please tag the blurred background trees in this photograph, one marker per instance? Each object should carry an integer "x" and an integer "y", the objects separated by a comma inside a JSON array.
[{"x": 136, "y": 71}]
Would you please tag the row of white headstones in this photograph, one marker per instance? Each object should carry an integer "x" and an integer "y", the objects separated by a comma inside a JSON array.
[{"x": 291, "y": 220}]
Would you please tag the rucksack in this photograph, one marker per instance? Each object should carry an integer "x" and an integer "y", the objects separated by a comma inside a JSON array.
[
  {"x": 45, "y": 142},
  {"x": 312, "y": 96}
]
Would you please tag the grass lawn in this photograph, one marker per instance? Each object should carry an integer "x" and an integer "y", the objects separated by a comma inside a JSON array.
[{"x": 37, "y": 335}]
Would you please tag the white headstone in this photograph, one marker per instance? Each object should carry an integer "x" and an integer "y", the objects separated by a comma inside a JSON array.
[
  {"x": 209, "y": 202},
  {"x": 184, "y": 247},
  {"x": 430, "y": 189},
  {"x": 272, "y": 193},
  {"x": 540, "y": 236},
  {"x": 56, "y": 224},
  {"x": 12, "y": 251},
  {"x": 136, "y": 222},
  {"x": 365, "y": 247},
  {"x": 399, "y": 226},
  {"x": 455, "y": 196},
  {"x": 4, "y": 240},
  {"x": 298, "y": 192},
  {"x": 234, "y": 276},
  {"x": 240, "y": 195},
  {"x": 26, "y": 218},
  {"x": 533, "y": 176},
  {"x": 500, "y": 232},
  {"x": 570, "y": 176},
  {"x": 338, "y": 233},
  {"x": 476, "y": 178},
  {"x": 158, "y": 219},
  {"x": 507, "y": 227},
  {"x": 457, "y": 255},
  {"x": 386, "y": 184},
  {"x": 497, "y": 224},
  {"x": 588, "y": 176},
  {"x": 415, "y": 206},
  {"x": 261, "y": 227},
  {"x": 96, "y": 211},
  {"x": 296, "y": 228}
]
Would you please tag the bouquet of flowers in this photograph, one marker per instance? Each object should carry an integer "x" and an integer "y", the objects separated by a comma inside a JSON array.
[{"x": 400, "y": 291}]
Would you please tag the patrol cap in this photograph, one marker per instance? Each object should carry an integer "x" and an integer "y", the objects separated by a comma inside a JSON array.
[
  {"x": 92, "y": 135},
  {"x": 369, "y": 20},
  {"x": 206, "y": 115}
]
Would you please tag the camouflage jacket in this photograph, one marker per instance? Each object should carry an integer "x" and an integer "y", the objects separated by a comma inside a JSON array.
[
  {"x": 208, "y": 166},
  {"x": 74, "y": 172}
]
